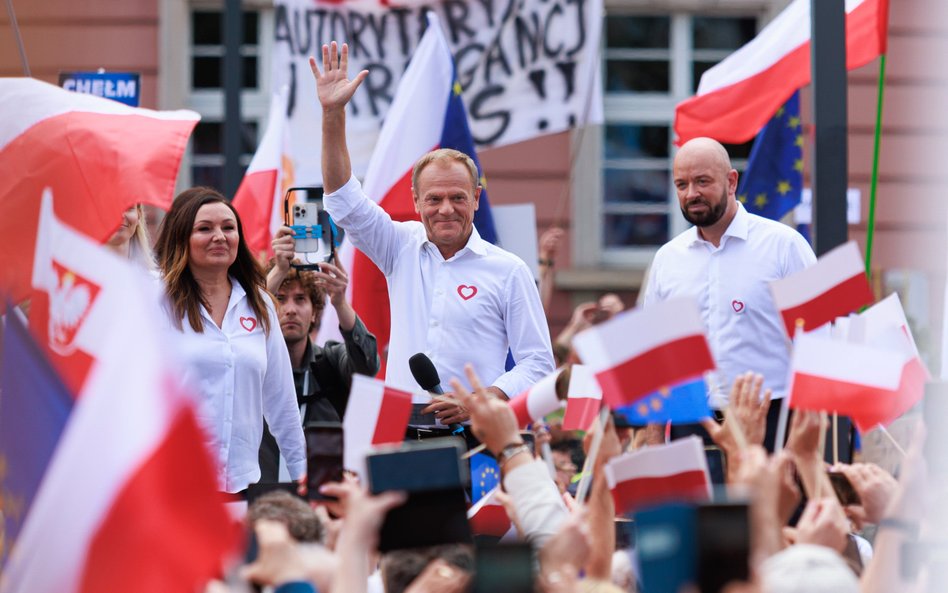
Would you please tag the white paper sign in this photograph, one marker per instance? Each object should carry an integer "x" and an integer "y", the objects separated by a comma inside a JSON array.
[{"x": 526, "y": 67}]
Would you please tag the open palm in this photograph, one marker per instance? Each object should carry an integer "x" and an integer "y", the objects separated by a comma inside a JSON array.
[{"x": 333, "y": 86}]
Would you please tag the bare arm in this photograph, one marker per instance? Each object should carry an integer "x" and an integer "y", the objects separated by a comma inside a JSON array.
[{"x": 334, "y": 90}]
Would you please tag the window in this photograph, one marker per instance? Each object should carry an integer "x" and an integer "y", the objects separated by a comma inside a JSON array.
[
  {"x": 206, "y": 93},
  {"x": 651, "y": 62}
]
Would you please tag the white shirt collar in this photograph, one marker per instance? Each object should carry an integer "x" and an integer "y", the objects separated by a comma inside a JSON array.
[
  {"x": 474, "y": 244},
  {"x": 737, "y": 228}
]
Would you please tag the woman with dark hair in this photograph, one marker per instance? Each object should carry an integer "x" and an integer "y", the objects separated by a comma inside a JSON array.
[{"x": 237, "y": 357}]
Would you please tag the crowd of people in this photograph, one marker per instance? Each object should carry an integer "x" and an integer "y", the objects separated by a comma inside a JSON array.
[{"x": 476, "y": 312}]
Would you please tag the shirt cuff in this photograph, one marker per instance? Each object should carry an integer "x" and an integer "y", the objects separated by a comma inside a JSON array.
[{"x": 344, "y": 200}]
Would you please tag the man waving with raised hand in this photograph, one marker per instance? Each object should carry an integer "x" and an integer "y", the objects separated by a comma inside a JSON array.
[{"x": 454, "y": 296}]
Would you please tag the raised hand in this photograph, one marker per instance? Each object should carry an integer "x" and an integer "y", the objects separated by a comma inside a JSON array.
[
  {"x": 334, "y": 279},
  {"x": 333, "y": 86}
]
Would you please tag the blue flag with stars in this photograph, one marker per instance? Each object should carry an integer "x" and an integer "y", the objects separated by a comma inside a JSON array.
[
  {"x": 485, "y": 476},
  {"x": 773, "y": 181},
  {"x": 685, "y": 402},
  {"x": 34, "y": 407}
]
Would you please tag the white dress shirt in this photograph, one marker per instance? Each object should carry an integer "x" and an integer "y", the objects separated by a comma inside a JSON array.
[
  {"x": 731, "y": 285},
  {"x": 243, "y": 376},
  {"x": 469, "y": 308}
]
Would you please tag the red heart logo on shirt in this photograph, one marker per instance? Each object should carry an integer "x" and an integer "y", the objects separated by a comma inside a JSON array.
[
  {"x": 467, "y": 292},
  {"x": 248, "y": 323},
  {"x": 737, "y": 305}
]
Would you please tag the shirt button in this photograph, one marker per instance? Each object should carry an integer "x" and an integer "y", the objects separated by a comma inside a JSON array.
[{"x": 434, "y": 323}]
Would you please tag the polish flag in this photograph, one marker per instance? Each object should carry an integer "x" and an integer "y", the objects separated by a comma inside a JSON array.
[
  {"x": 427, "y": 113},
  {"x": 259, "y": 199},
  {"x": 835, "y": 285},
  {"x": 538, "y": 401},
  {"x": 673, "y": 472},
  {"x": 584, "y": 398},
  {"x": 376, "y": 415},
  {"x": 736, "y": 97},
  {"x": 641, "y": 351},
  {"x": 884, "y": 325},
  {"x": 129, "y": 500},
  {"x": 489, "y": 517},
  {"x": 871, "y": 385},
  {"x": 99, "y": 157}
]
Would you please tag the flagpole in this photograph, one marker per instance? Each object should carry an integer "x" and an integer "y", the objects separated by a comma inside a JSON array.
[
  {"x": 19, "y": 39},
  {"x": 874, "y": 181}
]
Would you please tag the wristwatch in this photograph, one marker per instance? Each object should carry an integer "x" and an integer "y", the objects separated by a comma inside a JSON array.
[{"x": 511, "y": 450}]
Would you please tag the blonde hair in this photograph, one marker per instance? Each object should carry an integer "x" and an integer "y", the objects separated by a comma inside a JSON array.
[
  {"x": 139, "y": 244},
  {"x": 444, "y": 155}
]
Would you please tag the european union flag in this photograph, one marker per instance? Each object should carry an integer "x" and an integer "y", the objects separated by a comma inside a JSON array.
[
  {"x": 485, "y": 476},
  {"x": 685, "y": 402},
  {"x": 773, "y": 181},
  {"x": 34, "y": 406}
]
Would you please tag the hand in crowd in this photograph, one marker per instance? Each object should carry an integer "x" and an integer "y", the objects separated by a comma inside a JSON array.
[
  {"x": 876, "y": 489},
  {"x": 746, "y": 419},
  {"x": 278, "y": 560},
  {"x": 284, "y": 248},
  {"x": 549, "y": 244},
  {"x": 807, "y": 429},
  {"x": 823, "y": 523},
  {"x": 609, "y": 448},
  {"x": 333, "y": 86},
  {"x": 448, "y": 408},
  {"x": 492, "y": 420},
  {"x": 363, "y": 513},
  {"x": 565, "y": 554},
  {"x": 440, "y": 577}
]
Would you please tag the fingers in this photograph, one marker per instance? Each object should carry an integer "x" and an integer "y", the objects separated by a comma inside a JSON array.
[
  {"x": 344, "y": 60},
  {"x": 473, "y": 378},
  {"x": 326, "y": 61},
  {"x": 713, "y": 428},
  {"x": 333, "y": 57}
]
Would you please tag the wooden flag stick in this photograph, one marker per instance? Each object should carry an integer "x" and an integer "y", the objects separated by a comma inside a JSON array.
[
  {"x": 892, "y": 440},
  {"x": 586, "y": 480},
  {"x": 474, "y": 451},
  {"x": 835, "y": 438}
]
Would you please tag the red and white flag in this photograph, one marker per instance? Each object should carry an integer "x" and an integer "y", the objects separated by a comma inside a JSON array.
[
  {"x": 583, "y": 399},
  {"x": 129, "y": 500},
  {"x": 489, "y": 517},
  {"x": 871, "y": 385},
  {"x": 376, "y": 415},
  {"x": 835, "y": 285},
  {"x": 646, "y": 349},
  {"x": 673, "y": 472},
  {"x": 884, "y": 325},
  {"x": 538, "y": 401},
  {"x": 98, "y": 156},
  {"x": 739, "y": 95},
  {"x": 259, "y": 199}
]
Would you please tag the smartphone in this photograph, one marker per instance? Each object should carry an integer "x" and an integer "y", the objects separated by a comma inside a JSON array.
[
  {"x": 503, "y": 568},
  {"x": 324, "y": 446},
  {"x": 315, "y": 234},
  {"x": 845, "y": 492},
  {"x": 665, "y": 547},
  {"x": 723, "y": 540},
  {"x": 434, "y": 477}
]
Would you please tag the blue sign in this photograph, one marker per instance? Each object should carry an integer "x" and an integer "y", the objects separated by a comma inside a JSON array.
[{"x": 124, "y": 87}]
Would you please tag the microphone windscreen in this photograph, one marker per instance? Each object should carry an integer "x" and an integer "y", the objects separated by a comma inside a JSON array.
[{"x": 424, "y": 371}]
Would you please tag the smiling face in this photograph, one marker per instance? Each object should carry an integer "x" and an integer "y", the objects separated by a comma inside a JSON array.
[
  {"x": 446, "y": 199},
  {"x": 705, "y": 182},
  {"x": 130, "y": 220},
  {"x": 214, "y": 239}
]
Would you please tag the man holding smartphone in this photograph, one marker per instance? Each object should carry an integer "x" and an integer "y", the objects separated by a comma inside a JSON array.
[
  {"x": 322, "y": 374},
  {"x": 454, "y": 296}
]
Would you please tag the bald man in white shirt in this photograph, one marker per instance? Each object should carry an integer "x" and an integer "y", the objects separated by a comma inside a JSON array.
[
  {"x": 726, "y": 261},
  {"x": 454, "y": 296}
]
